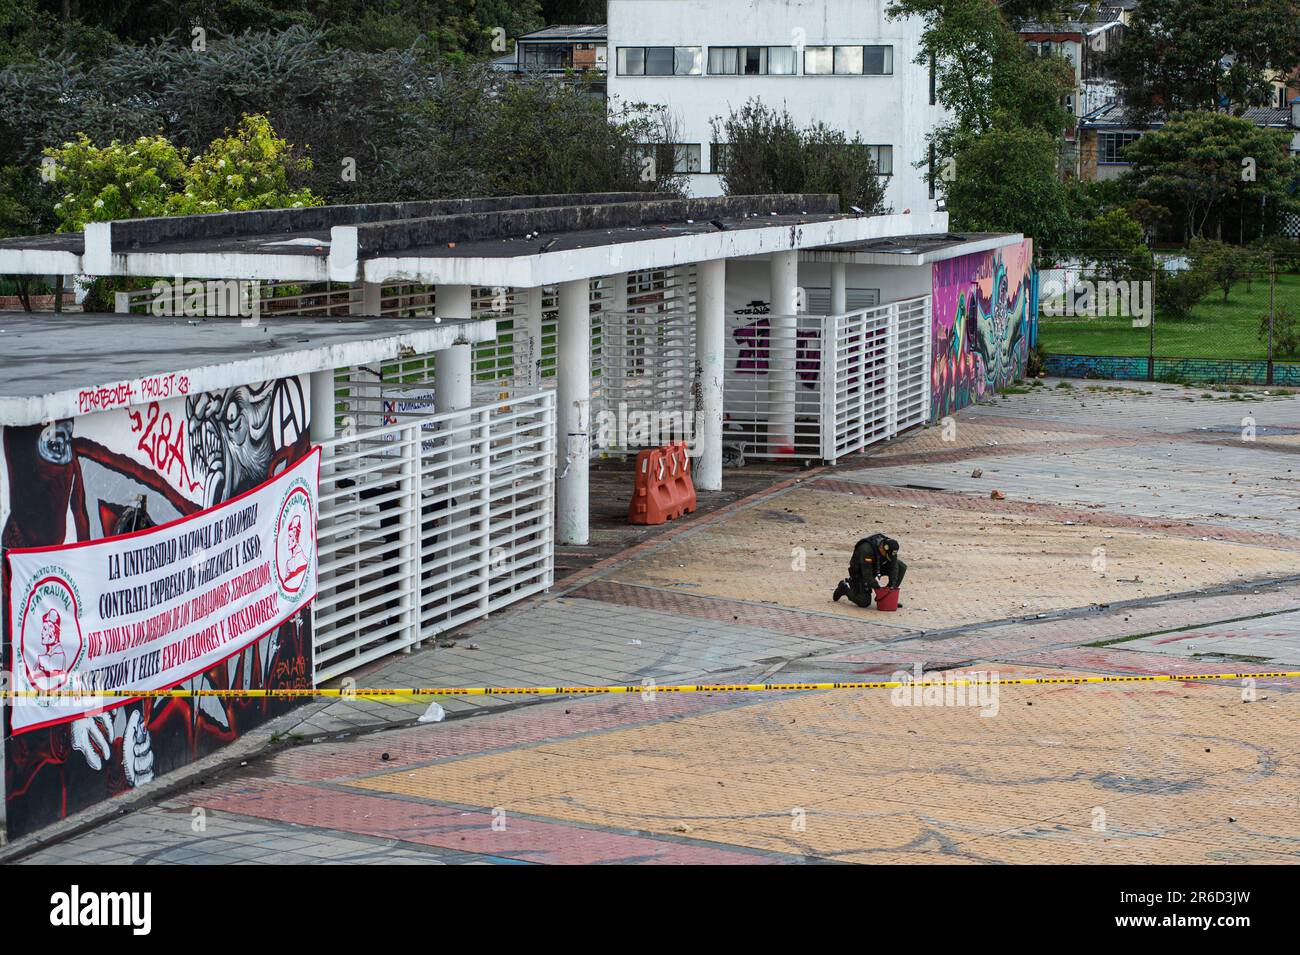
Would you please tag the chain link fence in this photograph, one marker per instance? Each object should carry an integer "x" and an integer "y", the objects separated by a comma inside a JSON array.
[{"x": 1235, "y": 320}]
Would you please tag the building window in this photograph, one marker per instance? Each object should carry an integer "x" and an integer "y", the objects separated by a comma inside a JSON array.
[
  {"x": 686, "y": 157},
  {"x": 848, "y": 60},
  {"x": 1110, "y": 146},
  {"x": 679, "y": 157},
  {"x": 547, "y": 56},
  {"x": 930, "y": 176},
  {"x": 933, "y": 87},
  {"x": 688, "y": 61},
  {"x": 723, "y": 60},
  {"x": 660, "y": 60},
  {"x": 781, "y": 61},
  {"x": 883, "y": 157},
  {"x": 719, "y": 157},
  {"x": 818, "y": 60},
  {"x": 738, "y": 60},
  {"x": 752, "y": 61},
  {"x": 878, "y": 60},
  {"x": 631, "y": 61}
]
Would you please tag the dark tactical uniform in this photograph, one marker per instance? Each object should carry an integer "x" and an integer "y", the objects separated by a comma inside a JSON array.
[{"x": 874, "y": 556}]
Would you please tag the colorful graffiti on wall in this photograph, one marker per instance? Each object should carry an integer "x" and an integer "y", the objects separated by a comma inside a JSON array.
[
  {"x": 126, "y": 470},
  {"x": 984, "y": 307}
]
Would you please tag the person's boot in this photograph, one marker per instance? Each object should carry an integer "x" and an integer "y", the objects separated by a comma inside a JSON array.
[{"x": 840, "y": 590}]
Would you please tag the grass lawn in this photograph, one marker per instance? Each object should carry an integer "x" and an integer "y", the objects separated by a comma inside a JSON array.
[{"x": 1215, "y": 330}]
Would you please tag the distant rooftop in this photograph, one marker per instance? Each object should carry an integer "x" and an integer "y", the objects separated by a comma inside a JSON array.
[
  {"x": 1263, "y": 116},
  {"x": 1116, "y": 116},
  {"x": 570, "y": 33}
]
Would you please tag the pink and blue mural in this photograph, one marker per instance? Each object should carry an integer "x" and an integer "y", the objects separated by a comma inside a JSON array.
[{"x": 984, "y": 310}]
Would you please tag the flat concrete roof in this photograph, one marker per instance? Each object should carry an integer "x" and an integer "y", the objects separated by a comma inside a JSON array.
[
  {"x": 518, "y": 242},
  {"x": 912, "y": 249},
  {"x": 62, "y": 366}
]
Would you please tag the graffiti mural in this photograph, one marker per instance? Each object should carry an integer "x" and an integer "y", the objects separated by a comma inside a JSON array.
[
  {"x": 119, "y": 471},
  {"x": 984, "y": 308}
]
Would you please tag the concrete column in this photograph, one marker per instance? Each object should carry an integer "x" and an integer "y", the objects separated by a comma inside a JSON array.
[
  {"x": 710, "y": 369},
  {"x": 322, "y": 406},
  {"x": 839, "y": 288},
  {"x": 452, "y": 301},
  {"x": 452, "y": 372},
  {"x": 573, "y": 413},
  {"x": 369, "y": 383},
  {"x": 371, "y": 302},
  {"x": 781, "y": 382},
  {"x": 528, "y": 340},
  {"x": 451, "y": 366},
  {"x": 451, "y": 378},
  {"x": 618, "y": 302}
]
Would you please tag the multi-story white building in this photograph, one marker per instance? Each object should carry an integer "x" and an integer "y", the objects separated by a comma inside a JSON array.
[{"x": 841, "y": 62}]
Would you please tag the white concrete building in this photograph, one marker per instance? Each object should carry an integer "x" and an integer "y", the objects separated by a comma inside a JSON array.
[{"x": 841, "y": 62}]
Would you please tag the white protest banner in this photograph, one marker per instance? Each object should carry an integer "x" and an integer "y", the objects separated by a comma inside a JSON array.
[{"x": 149, "y": 610}]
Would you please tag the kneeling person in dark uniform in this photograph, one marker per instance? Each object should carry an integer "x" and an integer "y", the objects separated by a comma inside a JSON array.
[{"x": 874, "y": 556}]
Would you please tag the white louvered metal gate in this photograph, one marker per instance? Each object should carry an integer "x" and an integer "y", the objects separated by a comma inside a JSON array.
[
  {"x": 774, "y": 386},
  {"x": 430, "y": 522},
  {"x": 881, "y": 375}
]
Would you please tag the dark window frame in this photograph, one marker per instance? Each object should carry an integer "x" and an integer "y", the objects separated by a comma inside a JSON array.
[{"x": 886, "y": 58}]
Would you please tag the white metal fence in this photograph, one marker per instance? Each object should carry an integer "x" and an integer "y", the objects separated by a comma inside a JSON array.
[
  {"x": 813, "y": 387},
  {"x": 881, "y": 375},
  {"x": 429, "y": 523},
  {"x": 772, "y": 393},
  {"x": 647, "y": 360}
]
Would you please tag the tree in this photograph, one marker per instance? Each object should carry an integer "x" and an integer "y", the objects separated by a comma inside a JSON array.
[
  {"x": 1180, "y": 55},
  {"x": 1282, "y": 329},
  {"x": 437, "y": 28},
  {"x": 1001, "y": 98},
  {"x": 767, "y": 153},
  {"x": 152, "y": 177},
  {"x": 991, "y": 193},
  {"x": 573, "y": 11},
  {"x": 537, "y": 137},
  {"x": 983, "y": 71},
  {"x": 1116, "y": 245},
  {"x": 117, "y": 181},
  {"x": 247, "y": 170},
  {"x": 1224, "y": 265},
  {"x": 1208, "y": 167},
  {"x": 1177, "y": 292}
]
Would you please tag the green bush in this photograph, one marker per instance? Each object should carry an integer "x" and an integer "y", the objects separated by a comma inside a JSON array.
[
  {"x": 1286, "y": 332},
  {"x": 1176, "y": 293}
]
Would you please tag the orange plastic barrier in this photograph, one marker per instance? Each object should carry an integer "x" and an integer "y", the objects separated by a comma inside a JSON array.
[{"x": 664, "y": 490}]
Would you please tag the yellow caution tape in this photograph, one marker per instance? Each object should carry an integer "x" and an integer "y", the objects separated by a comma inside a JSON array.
[{"x": 379, "y": 693}]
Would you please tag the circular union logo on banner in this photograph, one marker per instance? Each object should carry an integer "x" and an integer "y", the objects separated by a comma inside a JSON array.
[
  {"x": 50, "y": 630},
  {"x": 295, "y": 541}
]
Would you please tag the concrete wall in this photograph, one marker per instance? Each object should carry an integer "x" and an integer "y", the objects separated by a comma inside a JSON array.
[
  {"x": 885, "y": 110},
  {"x": 74, "y": 480},
  {"x": 1208, "y": 370},
  {"x": 984, "y": 313}
]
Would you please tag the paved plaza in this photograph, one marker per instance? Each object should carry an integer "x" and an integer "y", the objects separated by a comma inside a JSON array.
[{"x": 1135, "y": 530}]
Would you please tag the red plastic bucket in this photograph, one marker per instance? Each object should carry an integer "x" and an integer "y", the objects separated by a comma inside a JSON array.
[{"x": 886, "y": 598}]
